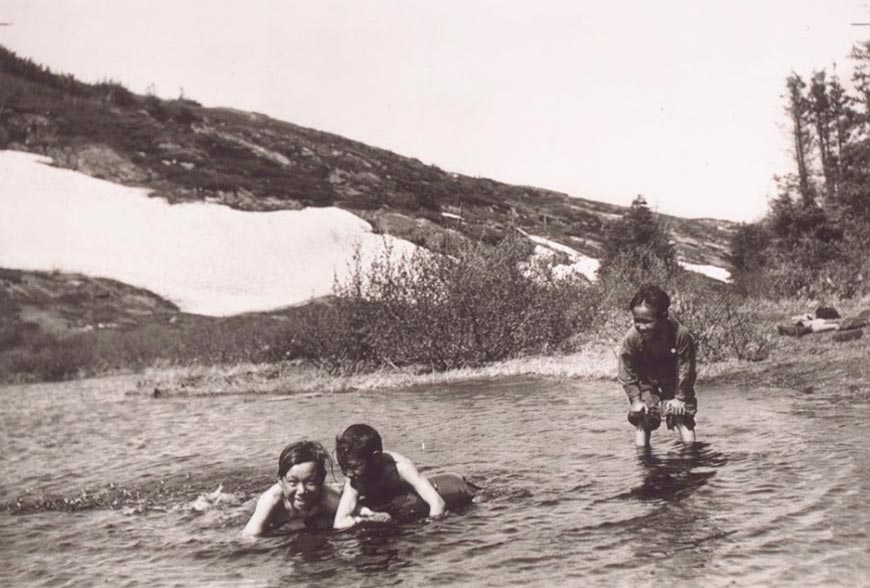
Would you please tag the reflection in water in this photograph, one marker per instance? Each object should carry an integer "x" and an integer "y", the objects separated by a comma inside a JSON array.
[
  {"x": 677, "y": 527},
  {"x": 309, "y": 546},
  {"x": 567, "y": 501},
  {"x": 674, "y": 476}
]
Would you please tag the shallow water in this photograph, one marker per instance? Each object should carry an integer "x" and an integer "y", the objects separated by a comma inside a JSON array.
[{"x": 107, "y": 488}]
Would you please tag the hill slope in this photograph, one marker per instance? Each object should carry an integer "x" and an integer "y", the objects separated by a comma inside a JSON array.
[
  {"x": 54, "y": 325},
  {"x": 184, "y": 152}
]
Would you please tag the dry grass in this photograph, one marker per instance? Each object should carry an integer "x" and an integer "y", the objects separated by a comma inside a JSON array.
[
  {"x": 799, "y": 363},
  {"x": 296, "y": 378}
]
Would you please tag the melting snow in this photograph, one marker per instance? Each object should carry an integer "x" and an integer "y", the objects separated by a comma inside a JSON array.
[
  {"x": 579, "y": 263},
  {"x": 711, "y": 271},
  {"x": 207, "y": 258},
  {"x": 588, "y": 266}
]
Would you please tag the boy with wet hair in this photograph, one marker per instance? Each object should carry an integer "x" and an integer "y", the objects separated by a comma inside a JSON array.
[
  {"x": 300, "y": 492},
  {"x": 374, "y": 478},
  {"x": 657, "y": 368}
]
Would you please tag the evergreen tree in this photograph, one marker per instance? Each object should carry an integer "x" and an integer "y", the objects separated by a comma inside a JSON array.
[
  {"x": 638, "y": 240},
  {"x": 815, "y": 237},
  {"x": 798, "y": 109},
  {"x": 748, "y": 245},
  {"x": 821, "y": 116}
]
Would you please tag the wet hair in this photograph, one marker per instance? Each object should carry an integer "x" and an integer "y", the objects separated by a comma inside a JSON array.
[
  {"x": 652, "y": 296},
  {"x": 303, "y": 452},
  {"x": 358, "y": 443}
]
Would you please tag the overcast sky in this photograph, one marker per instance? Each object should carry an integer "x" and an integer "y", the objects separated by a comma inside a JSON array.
[{"x": 676, "y": 100}]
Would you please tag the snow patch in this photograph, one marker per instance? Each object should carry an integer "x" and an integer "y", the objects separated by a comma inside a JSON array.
[
  {"x": 208, "y": 259},
  {"x": 579, "y": 263},
  {"x": 711, "y": 271}
]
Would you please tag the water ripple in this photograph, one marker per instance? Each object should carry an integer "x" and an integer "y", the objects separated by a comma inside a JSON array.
[{"x": 103, "y": 488}]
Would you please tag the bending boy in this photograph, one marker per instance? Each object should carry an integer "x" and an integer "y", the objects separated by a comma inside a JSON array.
[{"x": 657, "y": 368}]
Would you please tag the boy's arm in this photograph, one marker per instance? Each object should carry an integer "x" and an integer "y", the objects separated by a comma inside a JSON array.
[
  {"x": 628, "y": 373},
  {"x": 409, "y": 473},
  {"x": 686, "y": 371},
  {"x": 344, "y": 518},
  {"x": 263, "y": 514}
]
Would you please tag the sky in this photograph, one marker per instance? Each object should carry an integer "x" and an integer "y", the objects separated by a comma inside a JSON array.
[{"x": 680, "y": 101}]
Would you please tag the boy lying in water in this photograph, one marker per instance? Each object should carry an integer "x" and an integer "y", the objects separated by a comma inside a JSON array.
[
  {"x": 388, "y": 481},
  {"x": 300, "y": 492},
  {"x": 375, "y": 478}
]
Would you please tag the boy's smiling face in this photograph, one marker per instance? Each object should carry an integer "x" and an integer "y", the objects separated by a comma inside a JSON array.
[
  {"x": 302, "y": 486},
  {"x": 647, "y": 322}
]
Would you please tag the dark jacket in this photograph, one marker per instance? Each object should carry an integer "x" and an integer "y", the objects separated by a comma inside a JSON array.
[{"x": 666, "y": 365}]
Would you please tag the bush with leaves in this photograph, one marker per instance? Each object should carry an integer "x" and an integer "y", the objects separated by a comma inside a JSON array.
[
  {"x": 722, "y": 322},
  {"x": 813, "y": 240},
  {"x": 638, "y": 239},
  {"x": 472, "y": 305}
]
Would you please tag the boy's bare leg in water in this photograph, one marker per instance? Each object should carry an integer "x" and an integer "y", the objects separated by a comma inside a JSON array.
[
  {"x": 686, "y": 434},
  {"x": 641, "y": 436}
]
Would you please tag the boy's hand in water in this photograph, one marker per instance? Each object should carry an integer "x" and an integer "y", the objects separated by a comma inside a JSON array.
[
  {"x": 675, "y": 406},
  {"x": 437, "y": 517},
  {"x": 374, "y": 517},
  {"x": 638, "y": 406}
]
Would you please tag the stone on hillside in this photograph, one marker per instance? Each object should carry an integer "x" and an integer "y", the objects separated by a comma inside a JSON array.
[
  {"x": 827, "y": 312},
  {"x": 849, "y": 335},
  {"x": 864, "y": 314},
  {"x": 99, "y": 161}
]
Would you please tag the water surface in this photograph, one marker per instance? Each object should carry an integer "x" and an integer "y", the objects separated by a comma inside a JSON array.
[{"x": 103, "y": 487}]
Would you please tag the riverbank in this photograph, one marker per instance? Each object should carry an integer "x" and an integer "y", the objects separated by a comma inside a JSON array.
[
  {"x": 803, "y": 364},
  {"x": 800, "y": 363}
]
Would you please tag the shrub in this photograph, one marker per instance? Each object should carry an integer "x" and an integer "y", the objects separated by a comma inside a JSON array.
[
  {"x": 639, "y": 240},
  {"x": 723, "y": 323},
  {"x": 628, "y": 271},
  {"x": 115, "y": 93},
  {"x": 183, "y": 115},
  {"x": 49, "y": 359},
  {"x": 474, "y": 305},
  {"x": 154, "y": 107}
]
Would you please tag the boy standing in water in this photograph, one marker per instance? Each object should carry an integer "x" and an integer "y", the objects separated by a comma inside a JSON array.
[
  {"x": 375, "y": 478},
  {"x": 657, "y": 368}
]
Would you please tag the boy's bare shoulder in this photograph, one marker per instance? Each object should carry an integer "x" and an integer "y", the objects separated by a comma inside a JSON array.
[
  {"x": 273, "y": 495},
  {"x": 402, "y": 463}
]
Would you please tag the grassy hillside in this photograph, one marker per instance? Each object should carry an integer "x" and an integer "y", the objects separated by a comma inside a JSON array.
[
  {"x": 54, "y": 326},
  {"x": 183, "y": 151}
]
